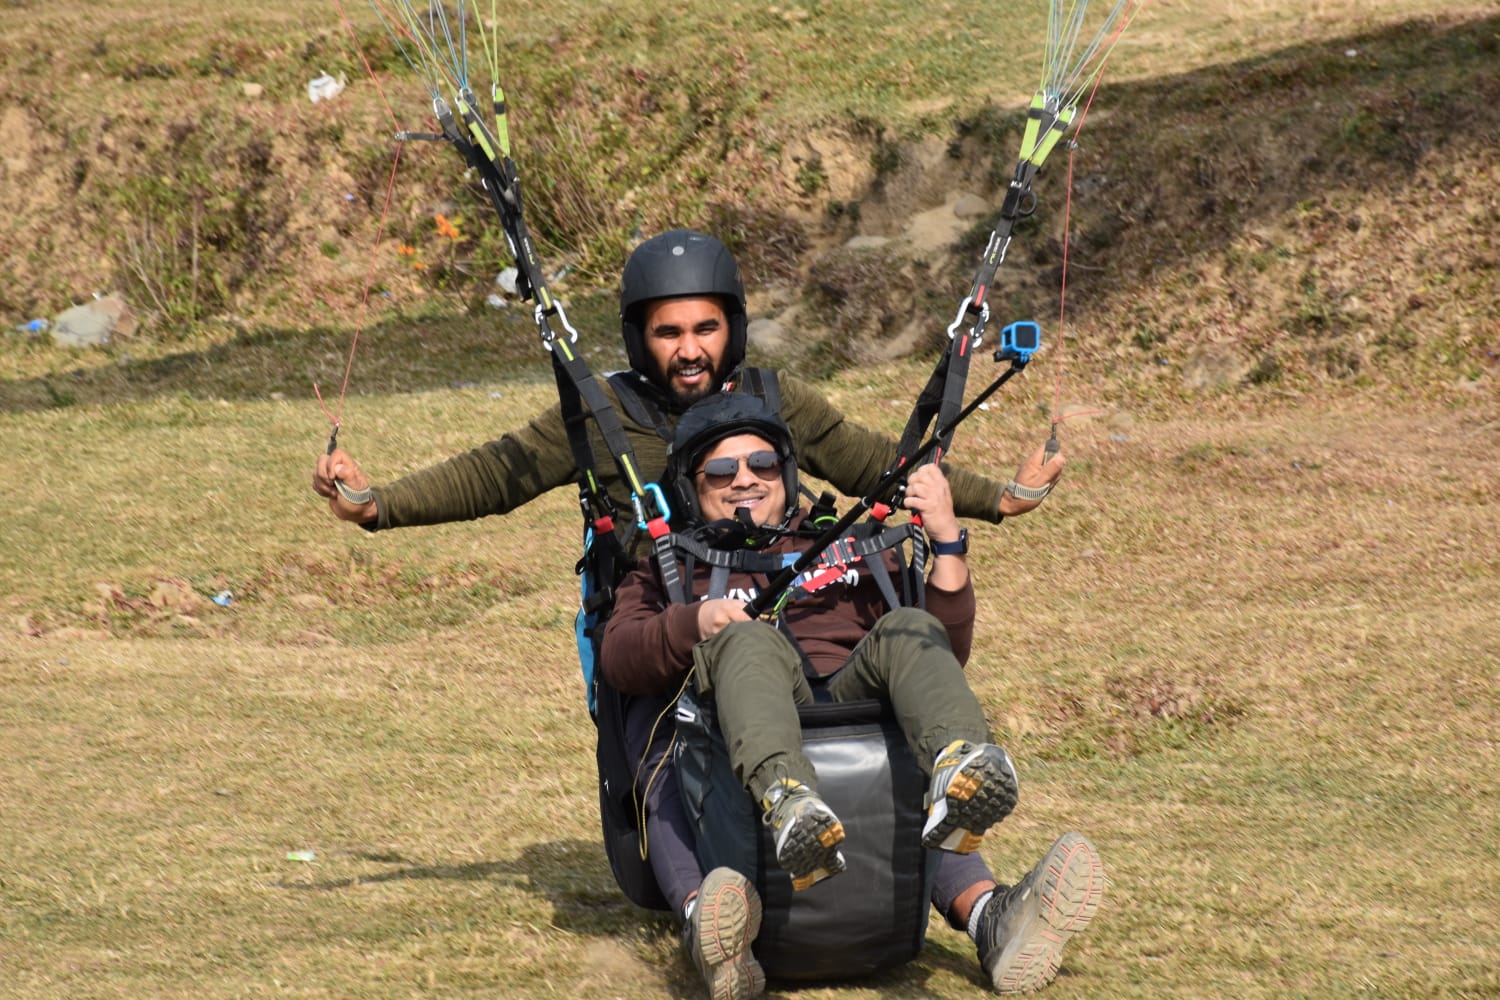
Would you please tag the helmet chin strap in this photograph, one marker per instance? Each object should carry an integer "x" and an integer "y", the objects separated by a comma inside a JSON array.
[{"x": 739, "y": 531}]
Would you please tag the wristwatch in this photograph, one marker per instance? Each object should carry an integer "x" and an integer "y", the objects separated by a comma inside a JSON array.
[
  {"x": 954, "y": 548},
  {"x": 1027, "y": 493}
]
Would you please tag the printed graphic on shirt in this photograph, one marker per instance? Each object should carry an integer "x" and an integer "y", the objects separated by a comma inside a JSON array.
[
  {"x": 822, "y": 575},
  {"x": 808, "y": 582}
]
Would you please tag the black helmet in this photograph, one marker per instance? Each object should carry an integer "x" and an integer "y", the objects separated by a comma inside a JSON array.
[
  {"x": 706, "y": 423},
  {"x": 673, "y": 265}
]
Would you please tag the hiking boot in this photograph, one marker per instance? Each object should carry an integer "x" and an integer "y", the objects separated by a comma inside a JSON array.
[
  {"x": 973, "y": 788},
  {"x": 807, "y": 832},
  {"x": 718, "y": 936},
  {"x": 1023, "y": 928}
]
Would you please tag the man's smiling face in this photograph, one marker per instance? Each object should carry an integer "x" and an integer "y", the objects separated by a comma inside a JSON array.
[
  {"x": 755, "y": 482},
  {"x": 687, "y": 339}
]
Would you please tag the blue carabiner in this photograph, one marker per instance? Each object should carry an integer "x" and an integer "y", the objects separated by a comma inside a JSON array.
[{"x": 661, "y": 501}]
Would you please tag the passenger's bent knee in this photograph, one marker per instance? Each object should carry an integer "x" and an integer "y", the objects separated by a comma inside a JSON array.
[
  {"x": 755, "y": 638},
  {"x": 748, "y": 646},
  {"x": 909, "y": 621}
]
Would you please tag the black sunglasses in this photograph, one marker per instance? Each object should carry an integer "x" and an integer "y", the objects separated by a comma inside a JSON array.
[{"x": 718, "y": 473}]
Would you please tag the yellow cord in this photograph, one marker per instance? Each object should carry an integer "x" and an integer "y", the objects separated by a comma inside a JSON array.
[{"x": 640, "y": 796}]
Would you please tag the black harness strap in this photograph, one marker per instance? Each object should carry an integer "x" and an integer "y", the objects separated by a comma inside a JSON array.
[
  {"x": 847, "y": 552},
  {"x": 940, "y": 401},
  {"x": 581, "y": 398},
  {"x": 643, "y": 402},
  {"x": 867, "y": 539},
  {"x": 579, "y": 393},
  {"x": 632, "y": 389},
  {"x": 759, "y": 382},
  {"x": 740, "y": 560}
]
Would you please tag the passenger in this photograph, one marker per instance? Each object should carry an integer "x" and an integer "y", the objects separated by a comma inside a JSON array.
[{"x": 733, "y": 477}]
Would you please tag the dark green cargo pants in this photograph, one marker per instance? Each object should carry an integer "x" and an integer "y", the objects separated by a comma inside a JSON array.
[{"x": 754, "y": 676}]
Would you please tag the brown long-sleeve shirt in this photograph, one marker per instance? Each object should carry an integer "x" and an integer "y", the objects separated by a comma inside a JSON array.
[{"x": 648, "y": 643}]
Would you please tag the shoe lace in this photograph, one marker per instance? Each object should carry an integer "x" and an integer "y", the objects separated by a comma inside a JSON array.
[{"x": 781, "y": 791}]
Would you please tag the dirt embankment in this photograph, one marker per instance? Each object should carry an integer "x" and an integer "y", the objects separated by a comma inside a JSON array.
[{"x": 1325, "y": 213}]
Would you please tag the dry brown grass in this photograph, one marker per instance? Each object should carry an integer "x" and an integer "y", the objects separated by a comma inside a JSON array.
[
  {"x": 1251, "y": 655},
  {"x": 1249, "y": 647}
]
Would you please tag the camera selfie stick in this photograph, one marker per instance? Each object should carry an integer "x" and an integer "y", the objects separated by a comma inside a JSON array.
[{"x": 1018, "y": 342}]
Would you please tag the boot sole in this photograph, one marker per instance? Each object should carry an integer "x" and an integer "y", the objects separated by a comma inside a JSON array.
[
  {"x": 1066, "y": 898},
  {"x": 729, "y": 915},
  {"x": 977, "y": 798},
  {"x": 810, "y": 852}
]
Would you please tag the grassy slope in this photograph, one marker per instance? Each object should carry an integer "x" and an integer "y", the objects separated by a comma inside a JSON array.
[
  {"x": 1265, "y": 682},
  {"x": 1268, "y": 692}
]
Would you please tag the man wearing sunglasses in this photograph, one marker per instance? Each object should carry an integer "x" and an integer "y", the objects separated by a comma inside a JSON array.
[{"x": 732, "y": 476}]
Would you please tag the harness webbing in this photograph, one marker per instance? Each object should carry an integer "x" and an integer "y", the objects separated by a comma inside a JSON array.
[
  {"x": 939, "y": 402},
  {"x": 632, "y": 390},
  {"x": 645, "y": 403},
  {"x": 864, "y": 541},
  {"x": 759, "y": 382},
  {"x": 579, "y": 392},
  {"x": 853, "y": 550}
]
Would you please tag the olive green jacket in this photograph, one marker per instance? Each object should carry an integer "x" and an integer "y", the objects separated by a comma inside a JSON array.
[{"x": 520, "y": 466}]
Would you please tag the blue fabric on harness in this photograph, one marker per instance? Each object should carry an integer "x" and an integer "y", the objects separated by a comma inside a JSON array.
[{"x": 584, "y": 625}]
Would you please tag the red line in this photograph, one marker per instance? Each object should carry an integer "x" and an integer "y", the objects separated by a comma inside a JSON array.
[
  {"x": 335, "y": 417},
  {"x": 369, "y": 70},
  {"x": 1062, "y": 298}
]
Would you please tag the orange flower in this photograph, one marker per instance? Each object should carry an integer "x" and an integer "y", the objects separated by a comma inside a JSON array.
[
  {"x": 445, "y": 227},
  {"x": 406, "y": 250}
]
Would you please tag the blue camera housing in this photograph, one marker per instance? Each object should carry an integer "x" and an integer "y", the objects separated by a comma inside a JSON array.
[{"x": 1019, "y": 341}]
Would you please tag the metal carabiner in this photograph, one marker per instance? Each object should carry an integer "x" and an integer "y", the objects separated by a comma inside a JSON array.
[
  {"x": 661, "y": 502},
  {"x": 963, "y": 308},
  {"x": 549, "y": 338}
]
